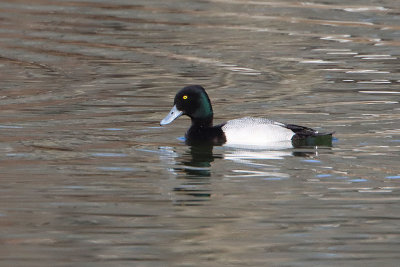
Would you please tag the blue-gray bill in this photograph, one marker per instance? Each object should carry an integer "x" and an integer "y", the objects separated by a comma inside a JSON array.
[{"x": 172, "y": 115}]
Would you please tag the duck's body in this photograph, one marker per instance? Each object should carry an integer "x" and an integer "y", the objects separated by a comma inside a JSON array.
[{"x": 194, "y": 102}]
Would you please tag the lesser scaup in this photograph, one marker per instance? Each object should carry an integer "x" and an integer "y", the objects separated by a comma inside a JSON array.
[{"x": 194, "y": 102}]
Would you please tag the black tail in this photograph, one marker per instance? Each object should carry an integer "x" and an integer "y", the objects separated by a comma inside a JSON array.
[{"x": 305, "y": 136}]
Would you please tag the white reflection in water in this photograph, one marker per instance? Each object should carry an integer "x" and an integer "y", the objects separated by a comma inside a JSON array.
[
  {"x": 342, "y": 53},
  {"x": 19, "y": 155},
  {"x": 244, "y": 156},
  {"x": 373, "y": 190},
  {"x": 317, "y": 61},
  {"x": 247, "y": 155},
  {"x": 365, "y": 9},
  {"x": 376, "y": 81},
  {"x": 360, "y": 71},
  {"x": 380, "y": 92},
  {"x": 340, "y": 39},
  {"x": 272, "y": 146},
  {"x": 11, "y": 127},
  {"x": 108, "y": 154},
  {"x": 332, "y": 50},
  {"x": 241, "y": 70},
  {"x": 266, "y": 174},
  {"x": 116, "y": 169},
  {"x": 114, "y": 129},
  {"x": 376, "y": 57},
  {"x": 164, "y": 151},
  {"x": 167, "y": 156}
]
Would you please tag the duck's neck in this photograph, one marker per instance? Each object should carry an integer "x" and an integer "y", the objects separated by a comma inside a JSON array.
[{"x": 202, "y": 123}]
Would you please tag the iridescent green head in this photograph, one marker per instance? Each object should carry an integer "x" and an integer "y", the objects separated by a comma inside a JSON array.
[{"x": 192, "y": 101}]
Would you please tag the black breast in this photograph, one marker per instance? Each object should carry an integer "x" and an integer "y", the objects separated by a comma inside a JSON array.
[{"x": 197, "y": 135}]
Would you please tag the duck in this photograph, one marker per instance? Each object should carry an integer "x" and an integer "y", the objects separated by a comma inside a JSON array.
[{"x": 194, "y": 102}]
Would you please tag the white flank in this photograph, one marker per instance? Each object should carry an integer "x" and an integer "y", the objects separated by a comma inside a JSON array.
[{"x": 255, "y": 131}]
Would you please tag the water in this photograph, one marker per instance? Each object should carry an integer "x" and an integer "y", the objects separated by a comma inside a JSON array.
[{"x": 88, "y": 178}]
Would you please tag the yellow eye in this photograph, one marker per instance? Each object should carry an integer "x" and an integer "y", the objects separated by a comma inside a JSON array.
[{"x": 185, "y": 97}]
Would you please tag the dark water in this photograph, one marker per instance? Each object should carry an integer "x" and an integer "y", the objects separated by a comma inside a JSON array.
[{"x": 88, "y": 178}]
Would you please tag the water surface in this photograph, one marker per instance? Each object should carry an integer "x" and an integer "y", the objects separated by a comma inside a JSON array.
[{"x": 89, "y": 177}]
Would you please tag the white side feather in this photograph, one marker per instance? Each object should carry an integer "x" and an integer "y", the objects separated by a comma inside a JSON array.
[{"x": 255, "y": 131}]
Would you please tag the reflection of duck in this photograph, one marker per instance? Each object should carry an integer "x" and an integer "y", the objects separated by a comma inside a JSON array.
[
  {"x": 194, "y": 102},
  {"x": 198, "y": 160},
  {"x": 193, "y": 170},
  {"x": 195, "y": 187}
]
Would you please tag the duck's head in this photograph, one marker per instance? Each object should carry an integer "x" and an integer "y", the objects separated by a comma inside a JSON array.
[{"x": 192, "y": 101}]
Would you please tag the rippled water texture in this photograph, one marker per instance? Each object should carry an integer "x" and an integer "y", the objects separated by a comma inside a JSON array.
[{"x": 89, "y": 178}]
